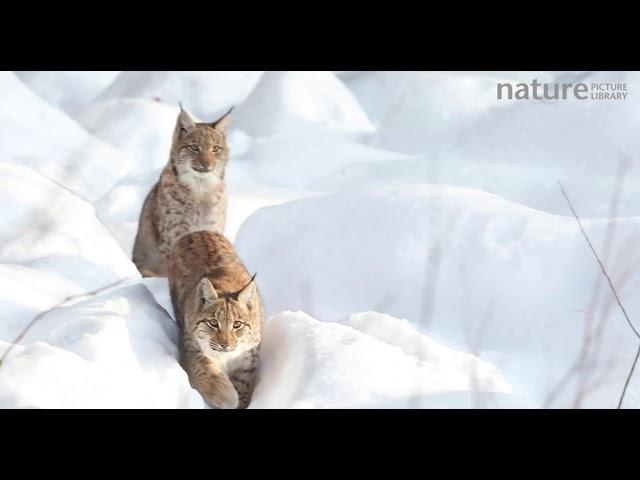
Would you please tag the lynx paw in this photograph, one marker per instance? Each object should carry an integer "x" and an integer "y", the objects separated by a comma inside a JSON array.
[{"x": 224, "y": 397}]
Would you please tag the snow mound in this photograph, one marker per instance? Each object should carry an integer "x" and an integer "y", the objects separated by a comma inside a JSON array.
[
  {"x": 381, "y": 92},
  {"x": 312, "y": 364},
  {"x": 68, "y": 91},
  {"x": 117, "y": 350},
  {"x": 52, "y": 246},
  {"x": 206, "y": 94},
  {"x": 139, "y": 127},
  {"x": 519, "y": 149},
  {"x": 320, "y": 160},
  {"x": 41, "y": 218},
  {"x": 284, "y": 99},
  {"x": 34, "y": 134},
  {"x": 430, "y": 109},
  {"x": 119, "y": 209},
  {"x": 425, "y": 253}
]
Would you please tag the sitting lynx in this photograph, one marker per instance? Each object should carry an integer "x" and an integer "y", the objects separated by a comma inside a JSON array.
[
  {"x": 189, "y": 196},
  {"x": 218, "y": 307}
]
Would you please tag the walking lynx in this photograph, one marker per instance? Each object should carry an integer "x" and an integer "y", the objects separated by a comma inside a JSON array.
[
  {"x": 218, "y": 307},
  {"x": 189, "y": 196}
]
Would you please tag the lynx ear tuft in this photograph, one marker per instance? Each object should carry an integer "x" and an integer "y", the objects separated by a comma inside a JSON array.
[
  {"x": 206, "y": 292},
  {"x": 184, "y": 121},
  {"x": 222, "y": 123},
  {"x": 246, "y": 296}
]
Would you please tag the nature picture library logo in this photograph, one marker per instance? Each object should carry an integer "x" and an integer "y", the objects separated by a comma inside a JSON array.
[{"x": 613, "y": 91}]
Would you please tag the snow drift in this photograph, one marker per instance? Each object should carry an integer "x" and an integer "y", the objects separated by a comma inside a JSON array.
[
  {"x": 281, "y": 100},
  {"x": 68, "y": 91},
  {"x": 34, "y": 134},
  {"x": 206, "y": 94},
  {"x": 518, "y": 150},
  {"x": 327, "y": 365},
  {"x": 440, "y": 257}
]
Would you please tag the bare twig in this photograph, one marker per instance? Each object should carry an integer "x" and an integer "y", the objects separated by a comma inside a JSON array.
[
  {"x": 57, "y": 305},
  {"x": 604, "y": 271},
  {"x": 613, "y": 290},
  {"x": 626, "y": 383}
]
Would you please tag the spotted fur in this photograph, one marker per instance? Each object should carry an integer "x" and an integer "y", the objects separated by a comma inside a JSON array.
[
  {"x": 189, "y": 196},
  {"x": 218, "y": 307}
]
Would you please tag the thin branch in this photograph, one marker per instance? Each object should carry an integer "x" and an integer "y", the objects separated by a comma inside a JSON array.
[
  {"x": 613, "y": 290},
  {"x": 57, "y": 305},
  {"x": 604, "y": 271},
  {"x": 626, "y": 383}
]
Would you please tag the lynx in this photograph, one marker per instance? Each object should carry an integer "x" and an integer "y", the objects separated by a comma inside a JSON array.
[
  {"x": 189, "y": 196},
  {"x": 218, "y": 308}
]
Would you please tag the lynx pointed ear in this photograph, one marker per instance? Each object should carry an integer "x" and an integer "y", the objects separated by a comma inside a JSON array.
[
  {"x": 206, "y": 292},
  {"x": 222, "y": 123},
  {"x": 246, "y": 296},
  {"x": 184, "y": 121}
]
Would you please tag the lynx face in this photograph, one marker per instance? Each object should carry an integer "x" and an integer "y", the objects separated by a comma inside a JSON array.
[
  {"x": 222, "y": 323},
  {"x": 200, "y": 149}
]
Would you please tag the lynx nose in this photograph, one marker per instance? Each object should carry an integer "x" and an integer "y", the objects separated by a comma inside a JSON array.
[
  {"x": 227, "y": 347},
  {"x": 205, "y": 164}
]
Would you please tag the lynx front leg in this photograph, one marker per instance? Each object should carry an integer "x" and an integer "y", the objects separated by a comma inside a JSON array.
[
  {"x": 212, "y": 383},
  {"x": 244, "y": 377}
]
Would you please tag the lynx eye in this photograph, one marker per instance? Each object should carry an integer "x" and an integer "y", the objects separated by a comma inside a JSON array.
[
  {"x": 217, "y": 148},
  {"x": 194, "y": 148},
  {"x": 213, "y": 324},
  {"x": 237, "y": 324}
]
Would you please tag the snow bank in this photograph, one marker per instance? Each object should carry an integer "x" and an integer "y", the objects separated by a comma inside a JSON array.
[
  {"x": 51, "y": 246},
  {"x": 206, "y": 94},
  {"x": 41, "y": 218},
  {"x": 446, "y": 260},
  {"x": 312, "y": 364},
  {"x": 34, "y": 134},
  {"x": 518, "y": 149},
  {"x": 429, "y": 110},
  {"x": 284, "y": 99},
  {"x": 381, "y": 93},
  {"x": 306, "y": 157},
  {"x": 117, "y": 350},
  {"x": 68, "y": 91},
  {"x": 139, "y": 127}
]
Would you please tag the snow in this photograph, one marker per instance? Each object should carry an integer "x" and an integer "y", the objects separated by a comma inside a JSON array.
[
  {"x": 35, "y": 134},
  {"x": 328, "y": 365},
  {"x": 411, "y": 244},
  {"x": 282, "y": 100},
  {"x": 68, "y": 91},
  {"x": 464, "y": 136},
  {"x": 41, "y": 219},
  {"x": 206, "y": 94},
  {"x": 118, "y": 123},
  {"x": 430, "y": 250},
  {"x": 113, "y": 351}
]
